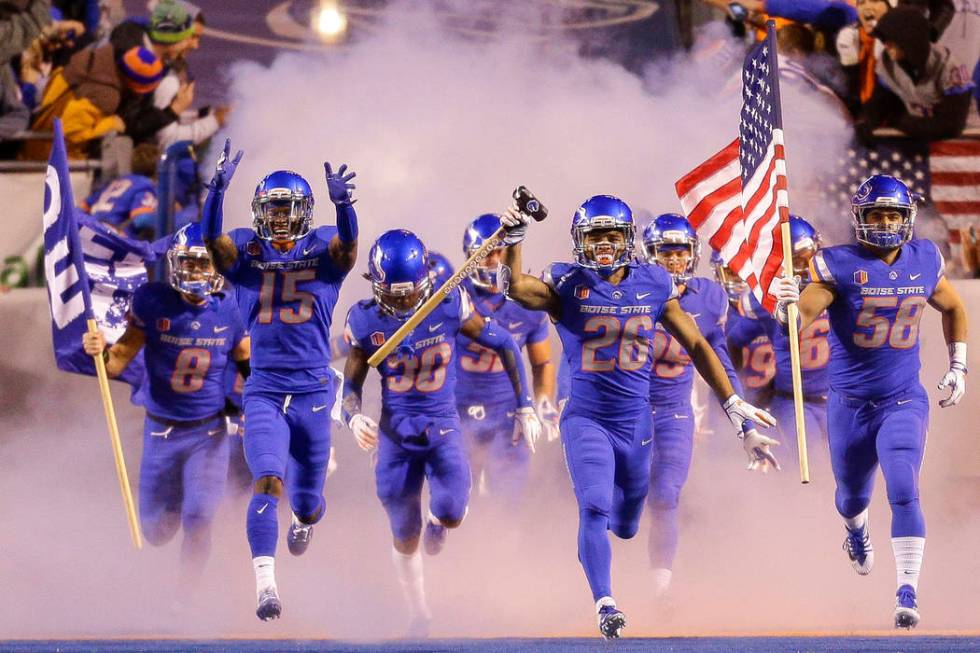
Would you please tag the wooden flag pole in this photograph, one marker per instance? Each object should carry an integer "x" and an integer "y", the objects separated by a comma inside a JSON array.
[
  {"x": 793, "y": 312},
  {"x": 490, "y": 244},
  {"x": 117, "y": 452}
]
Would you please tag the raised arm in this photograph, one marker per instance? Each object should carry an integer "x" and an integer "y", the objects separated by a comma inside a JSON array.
[
  {"x": 119, "y": 355},
  {"x": 947, "y": 301},
  {"x": 525, "y": 289},
  {"x": 364, "y": 428},
  {"x": 343, "y": 246},
  {"x": 489, "y": 334},
  {"x": 223, "y": 250}
]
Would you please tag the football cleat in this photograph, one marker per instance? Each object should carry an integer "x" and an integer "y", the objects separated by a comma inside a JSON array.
[
  {"x": 857, "y": 544},
  {"x": 299, "y": 536},
  {"x": 906, "y": 609},
  {"x": 434, "y": 538},
  {"x": 611, "y": 622},
  {"x": 269, "y": 605}
]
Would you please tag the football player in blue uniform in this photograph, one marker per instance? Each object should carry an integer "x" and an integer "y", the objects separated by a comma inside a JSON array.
[
  {"x": 875, "y": 292},
  {"x": 606, "y": 305},
  {"x": 189, "y": 331},
  {"x": 671, "y": 242},
  {"x": 129, "y": 203},
  {"x": 814, "y": 349},
  {"x": 287, "y": 277},
  {"x": 441, "y": 269},
  {"x": 748, "y": 343},
  {"x": 419, "y": 435},
  {"x": 486, "y": 407}
]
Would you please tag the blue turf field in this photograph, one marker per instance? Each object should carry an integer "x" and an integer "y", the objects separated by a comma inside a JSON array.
[{"x": 907, "y": 644}]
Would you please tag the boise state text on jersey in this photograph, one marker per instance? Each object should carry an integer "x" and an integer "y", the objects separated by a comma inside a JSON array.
[
  {"x": 607, "y": 332},
  {"x": 480, "y": 372},
  {"x": 287, "y": 298},
  {"x": 187, "y": 348},
  {"x": 420, "y": 377},
  {"x": 875, "y": 315}
]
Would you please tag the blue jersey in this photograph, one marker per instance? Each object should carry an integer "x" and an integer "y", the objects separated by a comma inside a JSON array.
[
  {"x": 758, "y": 357},
  {"x": 672, "y": 373},
  {"x": 607, "y": 332},
  {"x": 287, "y": 301},
  {"x": 814, "y": 350},
  {"x": 874, "y": 318},
  {"x": 122, "y": 200},
  {"x": 421, "y": 381},
  {"x": 186, "y": 350},
  {"x": 480, "y": 371}
]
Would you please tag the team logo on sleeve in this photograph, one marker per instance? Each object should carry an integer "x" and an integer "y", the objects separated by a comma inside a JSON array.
[
  {"x": 163, "y": 324},
  {"x": 581, "y": 292},
  {"x": 861, "y": 277},
  {"x": 253, "y": 248},
  {"x": 377, "y": 338}
]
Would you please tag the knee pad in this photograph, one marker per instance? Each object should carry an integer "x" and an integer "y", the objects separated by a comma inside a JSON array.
[
  {"x": 449, "y": 509},
  {"x": 596, "y": 499},
  {"x": 664, "y": 498},
  {"x": 405, "y": 519},
  {"x": 161, "y": 530},
  {"x": 308, "y": 506},
  {"x": 850, "y": 506}
]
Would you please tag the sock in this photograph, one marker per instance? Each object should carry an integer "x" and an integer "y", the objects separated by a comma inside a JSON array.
[
  {"x": 857, "y": 522},
  {"x": 408, "y": 568},
  {"x": 265, "y": 572},
  {"x": 908, "y": 559},
  {"x": 605, "y": 601},
  {"x": 661, "y": 581},
  {"x": 262, "y": 525},
  {"x": 594, "y": 551}
]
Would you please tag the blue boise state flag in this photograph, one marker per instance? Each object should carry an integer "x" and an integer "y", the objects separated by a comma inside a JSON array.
[{"x": 91, "y": 272}]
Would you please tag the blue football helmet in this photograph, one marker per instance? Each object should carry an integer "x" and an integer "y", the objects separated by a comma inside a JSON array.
[
  {"x": 491, "y": 274},
  {"x": 671, "y": 232},
  {"x": 190, "y": 265},
  {"x": 731, "y": 282},
  {"x": 601, "y": 213},
  {"x": 282, "y": 208},
  {"x": 883, "y": 192},
  {"x": 398, "y": 267},
  {"x": 440, "y": 268},
  {"x": 806, "y": 242}
]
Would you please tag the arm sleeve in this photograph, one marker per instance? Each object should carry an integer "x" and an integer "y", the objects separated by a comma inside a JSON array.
[
  {"x": 828, "y": 14},
  {"x": 346, "y": 223},
  {"x": 540, "y": 332},
  {"x": 496, "y": 338},
  {"x": 212, "y": 214}
]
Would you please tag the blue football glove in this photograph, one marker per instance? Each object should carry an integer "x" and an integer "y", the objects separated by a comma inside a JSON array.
[
  {"x": 225, "y": 169},
  {"x": 338, "y": 184}
]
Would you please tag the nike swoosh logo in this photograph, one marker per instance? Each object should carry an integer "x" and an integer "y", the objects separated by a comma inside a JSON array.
[
  {"x": 902, "y": 402},
  {"x": 676, "y": 416},
  {"x": 306, "y": 252},
  {"x": 216, "y": 431},
  {"x": 445, "y": 431},
  {"x": 514, "y": 325},
  {"x": 695, "y": 315},
  {"x": 162, "y": 434},
  {"x": 646, "y": 442},
  {"x": 434, "y": 327},
  {"x": 641, "y": 295},
  {"x": 262, "y": 509},
  {"x": 220, "y": 329},
  {"x": 913, "y": 277},
  {"x": 317, "y": 409}
]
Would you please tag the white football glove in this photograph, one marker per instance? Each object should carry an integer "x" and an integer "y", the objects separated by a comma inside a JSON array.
[
  {"x": 526, "y": 427},
  {"x": 548, "y": 415},
  {"x": 955, "y": 378},
  {"x": 757, "y": 449},
  {"x": 739, "y": 410},
  {"x": 786, "y": 290},
  {"x": 365, "y": 431},
  {"x": 515, "y": 225}
]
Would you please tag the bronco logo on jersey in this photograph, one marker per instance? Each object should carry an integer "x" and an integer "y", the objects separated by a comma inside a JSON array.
[
  {"x": 377, "y": 338},
  {"x": 861, "y": 277},
  {"x": 253, "y": 248},
  {"x": 163, "y": 324},
  {"x": 581, "y": 292}
]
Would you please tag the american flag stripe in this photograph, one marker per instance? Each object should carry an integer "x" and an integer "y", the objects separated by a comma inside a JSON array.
[{"x": 955, "y": 172}]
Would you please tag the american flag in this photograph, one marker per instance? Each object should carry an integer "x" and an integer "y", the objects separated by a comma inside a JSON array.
[
  {"x": 955, "y": 170},
  {"x": 738, "y": 197}
]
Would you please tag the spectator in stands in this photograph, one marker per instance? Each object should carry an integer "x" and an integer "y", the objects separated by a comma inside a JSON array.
[
  {"x": 923, "y": 90},
  {"x": 796, "y": 44},
  {"x": 196, "y": 127},
  {"x": 52, "y": 49},
  {"x": 169, "y": 32},
  {"x": 129, "y": 203},
  {"x": 20, "y": 22},
  {"x": 939, "y": 12},
  {"x": 87, "y": 95},
  {"x": 858, "y": 52}
]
